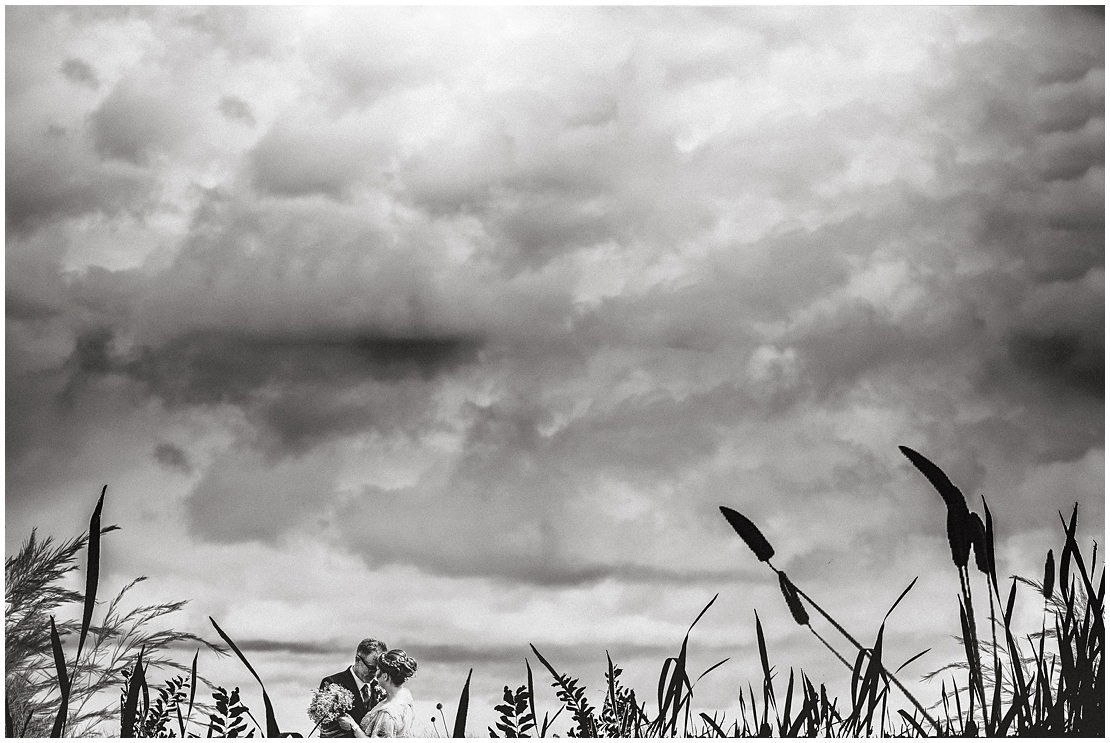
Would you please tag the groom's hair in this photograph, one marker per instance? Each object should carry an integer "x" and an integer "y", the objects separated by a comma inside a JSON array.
[{"x": 370, "y": 645}]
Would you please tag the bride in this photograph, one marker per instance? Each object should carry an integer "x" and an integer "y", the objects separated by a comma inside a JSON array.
[{"x": 392, "y": 717}]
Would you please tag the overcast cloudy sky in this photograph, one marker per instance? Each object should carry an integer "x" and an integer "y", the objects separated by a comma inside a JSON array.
[{"x": 454, "y": 327}]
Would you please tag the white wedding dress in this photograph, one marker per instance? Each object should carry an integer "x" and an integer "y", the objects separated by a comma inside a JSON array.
[{"x": 392, "y": 718}]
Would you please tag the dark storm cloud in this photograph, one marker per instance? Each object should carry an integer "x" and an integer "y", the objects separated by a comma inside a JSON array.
[
  {"x": 470, "y": 653},
  {"x": 44, "y": 183},
  {"x": 559, "y": 653},
  {"x": 293, "y": 388},
  {"x": 209, "y": 368},
  {"x": 80, "y": 72},
  {"x": 299, "y": 648},
  {"x": 1064, "y": 361},
  {"x": 132, "y": 125},
  {"x": 236, "y": 109},
  {"x": 172, "y": 457}
]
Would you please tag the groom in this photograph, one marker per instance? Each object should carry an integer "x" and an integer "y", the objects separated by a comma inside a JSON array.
[{"x": 359, "y": 680}]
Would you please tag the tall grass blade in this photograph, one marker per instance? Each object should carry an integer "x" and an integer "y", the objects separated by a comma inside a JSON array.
[
  {"x": 991, "y": 566},
  {"x": 192, "y": 692},
  {"x": 913, "y": 723},
  {"x": 1078, "y": 557},
  {"x": 702, "y": 613},
  {"x": 784, "y": 727},
  {"x": 911, "y": 660},
  {"x": 1010, "y": 603},
  {"x": 661, "y": 690},
  {"x": 272, "y": 729},
  {"x": 464, "y": 704},
  {"x": 548, "y": 723},
  {"x": 874, "y": 673},
  {"x": 1065, "y": 555},
  {"x": 899, "y": 600},
  {"x": 63, "y": 681},
  {"x": 707, "y": 671},
  {"x": 713, "y": 724},
  {"x": 92, "y": 575},
  {"x": 763, "y": 660},
  {"x": 611, "y": 682},
  {"x": 672, "y": 701},
  {"x": 181, "y": 720},
  {"x": 859, "y": 688},
  {"x": 128, "y": 715},
  {"x": 532, "y": 697}
]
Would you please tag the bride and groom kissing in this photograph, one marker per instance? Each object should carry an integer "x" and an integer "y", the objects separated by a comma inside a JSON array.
[{"x": 382, "y": 708}]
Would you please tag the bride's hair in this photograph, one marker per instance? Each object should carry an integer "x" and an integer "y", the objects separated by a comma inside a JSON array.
[{"x": 397, "y": 665}]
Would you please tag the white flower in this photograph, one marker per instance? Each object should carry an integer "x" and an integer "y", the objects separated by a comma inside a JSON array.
[{"x": 329, "y": 703}]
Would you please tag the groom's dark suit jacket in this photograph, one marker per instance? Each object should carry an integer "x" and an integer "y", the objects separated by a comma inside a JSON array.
[{"x": 347, "y": 680}]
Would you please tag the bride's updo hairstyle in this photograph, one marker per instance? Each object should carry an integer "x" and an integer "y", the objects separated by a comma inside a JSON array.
[{"x": 397, "y": 665}]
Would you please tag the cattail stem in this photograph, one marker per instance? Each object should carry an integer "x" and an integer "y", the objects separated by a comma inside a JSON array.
[
  {"x": 996, "y": 669},
  {"x": 832, "y": 650},
  {"x": 977, "y": 672},
  {"x": 890, "y": 676}
]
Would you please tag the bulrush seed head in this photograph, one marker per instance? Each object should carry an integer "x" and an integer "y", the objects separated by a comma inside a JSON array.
[
  {"x": 751, "y": 535},
  {"x": 791, "y": 595},
  {"x": 960, "y": 535},
  {"x": 979, "y": 543},
  {"x": 1049, "y": 575}
]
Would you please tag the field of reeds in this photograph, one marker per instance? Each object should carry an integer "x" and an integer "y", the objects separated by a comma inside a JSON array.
[{"x": 1045, "y": 683}]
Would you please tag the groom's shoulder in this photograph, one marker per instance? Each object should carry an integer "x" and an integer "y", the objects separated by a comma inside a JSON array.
[{"x": 336, "y": 678}]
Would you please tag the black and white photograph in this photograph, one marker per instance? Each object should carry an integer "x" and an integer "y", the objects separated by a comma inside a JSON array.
[{"x": 554, "y": 371}]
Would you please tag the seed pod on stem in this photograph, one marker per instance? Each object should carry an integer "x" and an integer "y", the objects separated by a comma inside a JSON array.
[
  {"x": 979, "y": 543},
  {"x": 751, "y": 535},
  {"x": 791, "y": 595},
  {"x": 959, "y": 529},
  {"x": 1049, "y": 575}
]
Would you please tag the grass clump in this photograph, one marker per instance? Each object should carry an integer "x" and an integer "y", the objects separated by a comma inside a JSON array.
[
  {"x": 45, "y": 692},
  {"x": 1045, "y": 683}
]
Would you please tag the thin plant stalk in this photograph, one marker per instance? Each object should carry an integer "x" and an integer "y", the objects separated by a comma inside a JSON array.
[{"x": 887, "y": 674}]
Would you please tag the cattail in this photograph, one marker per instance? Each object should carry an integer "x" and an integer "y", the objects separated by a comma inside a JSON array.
[
  {"x": 1010, "y": 602},
  {"x": 1065, "y": 555},
  {"x": 979, "y": 543},
  {"x": 989, "y": 525},
  {"x": 959, "y": 535},
  {"x": 1049, "y": 575},
  {"x": 959, "y": 518},
  {"x": 751, "y": 535},
  {"x": 791, "y": 595},
  {"x": 952, "y": 496}
]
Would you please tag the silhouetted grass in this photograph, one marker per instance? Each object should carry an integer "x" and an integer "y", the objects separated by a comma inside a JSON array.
[
  {"x": 46, "y": 693},
  {"x": 1046, "y": 683}
]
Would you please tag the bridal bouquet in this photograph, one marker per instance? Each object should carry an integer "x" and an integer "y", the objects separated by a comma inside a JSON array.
[{"x": 329, "y": 703}]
